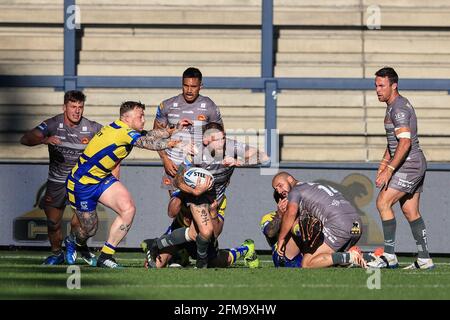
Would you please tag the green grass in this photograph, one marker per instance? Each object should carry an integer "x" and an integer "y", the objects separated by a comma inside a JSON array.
[{"x": 22, "y": 277}]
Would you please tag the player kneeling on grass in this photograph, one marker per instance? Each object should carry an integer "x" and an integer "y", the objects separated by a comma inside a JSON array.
[
  {"x": 91, "y": 179},
  {"x": 341, "y": 222},
  {"x": 178, "y": 255},
  {"x": 270, "y": 226}
]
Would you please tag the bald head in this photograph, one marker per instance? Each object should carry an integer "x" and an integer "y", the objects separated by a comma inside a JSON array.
[
  {"x": 282, "y": 182},
  {"x": 282, "y": 174}
]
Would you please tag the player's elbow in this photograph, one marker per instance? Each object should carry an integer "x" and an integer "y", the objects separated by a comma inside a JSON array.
[
  {"x": 24, "y": 141},
  {"x": 405, "y": 143}
]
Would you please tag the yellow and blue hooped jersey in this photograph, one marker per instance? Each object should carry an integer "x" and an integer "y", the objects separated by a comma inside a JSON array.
[
  {"x": 266, "y": 219},
  {"x": 295, "y": 262},
  {"x": 105, "y": 151}
]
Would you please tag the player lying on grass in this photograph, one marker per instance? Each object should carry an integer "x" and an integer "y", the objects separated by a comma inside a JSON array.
[
  {"x": 178, "y": 255},
  {"x": 340, "y": 220},
  {"x": 219, "y": 156}
]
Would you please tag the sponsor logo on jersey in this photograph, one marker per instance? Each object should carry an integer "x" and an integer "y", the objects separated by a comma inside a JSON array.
[
  {"x": 42, "y": 126},
  {"x": 85, "y": 140},
  {"x": 174, "y": 115},
  {"x": 61, "y": 125},
  {"x": 188, "y": 111},
  {"x": 84, "y": 129},
  {"x": 201, "y": 117},
  {"x": 399, "y": 116},
  {"x": 356, "y": 229},
  {"x": 133, "y": 134},
  {"x": 175, "y": 105},
  {"x": 203, "y": 105}
]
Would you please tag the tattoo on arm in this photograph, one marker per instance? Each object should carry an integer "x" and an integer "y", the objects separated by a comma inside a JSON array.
[
  {"x": 125, "y": 227},
  {"x": 151, "y": 143},
  {"x": 273, "y": 227},
  {"x": 158, "y": 133}
]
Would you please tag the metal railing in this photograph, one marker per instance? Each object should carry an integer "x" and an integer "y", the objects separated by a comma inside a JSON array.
[{"x": 267, "y": 83}]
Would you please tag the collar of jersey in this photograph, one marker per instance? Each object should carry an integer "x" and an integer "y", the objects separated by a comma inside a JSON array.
[{"x": 122, "y": 124}]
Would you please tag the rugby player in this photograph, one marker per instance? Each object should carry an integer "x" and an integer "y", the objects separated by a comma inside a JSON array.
[
  {"x": 401, "y": 173},
  {"x": 207, "y": 202},
  {"x": 340, "y": 220},
  {"x": 67, "y": 135},
  {"x": 187, "y": 105},
  {"x": 270, "y": 227},
  {"x": 91, "y": 180}
]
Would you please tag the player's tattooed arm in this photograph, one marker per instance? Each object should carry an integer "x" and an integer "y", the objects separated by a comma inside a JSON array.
[
  {"x": 125, "y": 227},
  {"x": 154, "y": 142},
  {"x": 162, "y": 133}
]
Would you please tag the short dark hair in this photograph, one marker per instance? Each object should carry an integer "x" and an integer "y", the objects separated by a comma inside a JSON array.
[
  {"x": 276, "y": 196},
  {"x": 213, "y": 126},
  {"x": 192, "y": 72},
  {"x": 74, "y": 96},
  {"x": 388, "y": 72},
  {"x": 130, "y": 105}
]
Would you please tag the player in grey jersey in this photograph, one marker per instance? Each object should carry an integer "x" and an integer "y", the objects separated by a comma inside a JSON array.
[
  {"x": 401, "y": 172},
  {"x": 187, "y": 105},
  {"x": 67, "y": 135},
  {"x": 219, "y": 156},
  {"x": 341, "y": 222}
]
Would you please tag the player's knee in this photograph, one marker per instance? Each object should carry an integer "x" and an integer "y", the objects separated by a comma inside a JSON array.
[
  {"x": 411, "y": 215},
  {"x": 92, "y": 231},
  {"x": 206, "y": 233},
  {"x": 174, "y": 207},
  {"x": 306, "y": 264},
  {"x": 383, "y": 204},
  {"x": 128, "y": 209}
]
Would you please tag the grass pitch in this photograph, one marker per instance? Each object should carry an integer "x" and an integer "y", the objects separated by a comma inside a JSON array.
[{"x": 23, "y": 277}]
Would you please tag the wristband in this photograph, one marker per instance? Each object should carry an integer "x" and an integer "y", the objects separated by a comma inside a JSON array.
[{"x": 391, "y": 167}]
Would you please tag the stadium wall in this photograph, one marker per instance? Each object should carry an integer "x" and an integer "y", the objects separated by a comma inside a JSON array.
[{"x": 249, "y": 198}]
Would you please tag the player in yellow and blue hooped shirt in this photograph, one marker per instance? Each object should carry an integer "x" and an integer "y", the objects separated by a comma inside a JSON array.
[
  {"x": 270, "y": 226},
  {"x": 92, "y": 179}
]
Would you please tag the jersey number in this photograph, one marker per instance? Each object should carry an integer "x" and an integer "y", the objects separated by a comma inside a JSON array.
[{"x": 330, "y": 190}]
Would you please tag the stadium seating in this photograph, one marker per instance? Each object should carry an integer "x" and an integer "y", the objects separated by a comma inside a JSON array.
[{"x": 223, "y": 39}]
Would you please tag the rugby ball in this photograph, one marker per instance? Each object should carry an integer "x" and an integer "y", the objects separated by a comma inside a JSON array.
[{"x": 192, "y": 175}]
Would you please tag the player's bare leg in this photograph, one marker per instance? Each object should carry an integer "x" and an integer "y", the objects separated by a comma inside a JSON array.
[
  {"x": 292, "y": 249},
  {"x": 54, "y": 217},
  {"x": 202, "y": 220},
  {"x": 385, "y": 201},
  {"x": 174, "y": 207},
  {"x": 118, "y": 199},
  {"x": 410, "y": 208},
  {"x": 325, "y": 256}
]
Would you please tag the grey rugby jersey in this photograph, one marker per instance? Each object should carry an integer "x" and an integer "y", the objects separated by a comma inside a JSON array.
[
  {"x": 202, "y": 111},
  {"x": 323, "y": 202},
  {"x": 401, "y": 115},
  {"x": 74, "y": 140},
  {"x": 222, "y": 174}
]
